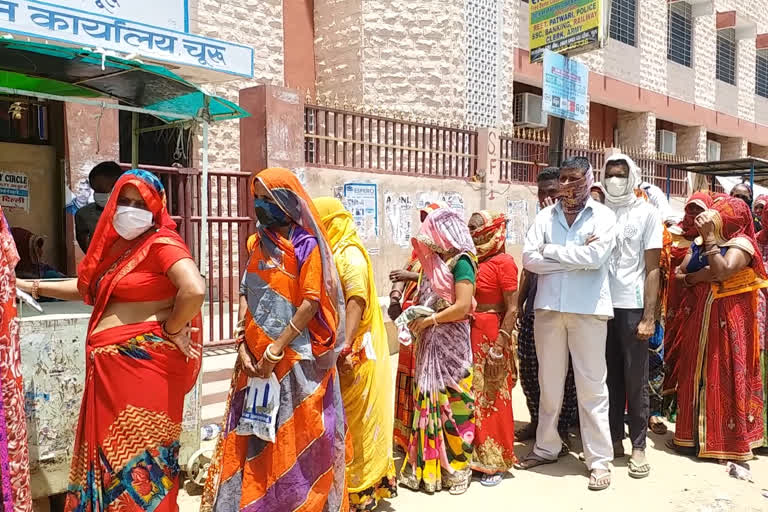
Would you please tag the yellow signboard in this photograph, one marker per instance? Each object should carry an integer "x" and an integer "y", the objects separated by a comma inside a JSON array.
[{"x": 564, "y": 26}]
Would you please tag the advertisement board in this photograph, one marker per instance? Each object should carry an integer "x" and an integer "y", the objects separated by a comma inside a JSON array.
[{"x": 564, "y": 26}]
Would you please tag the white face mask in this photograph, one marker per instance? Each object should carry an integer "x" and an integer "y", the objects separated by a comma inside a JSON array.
[
  {"x": 130, "y": 222},
  {"x": 616, "y": 186},
  {"x": 101, "y": 198}
]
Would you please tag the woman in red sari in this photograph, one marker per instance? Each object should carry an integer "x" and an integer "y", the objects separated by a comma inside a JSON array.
[
  {"x": 719, "y": 388},
  {"x": 402, "y": 296},
  {"x": 682, "y": 235},
  {"x": 140, "y": 357},
  {"x": 492, "y": 350},
  {"x": 14, "y": 451},
  {"x": 762, "y": 311}
]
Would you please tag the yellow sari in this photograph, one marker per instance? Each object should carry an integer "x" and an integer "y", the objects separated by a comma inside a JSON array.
[{"x": 367, "y": 389}]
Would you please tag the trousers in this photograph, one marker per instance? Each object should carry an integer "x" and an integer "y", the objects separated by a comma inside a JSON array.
[
  {"x": 584, "y": 337},
  {"x": 627, "y": 360}
]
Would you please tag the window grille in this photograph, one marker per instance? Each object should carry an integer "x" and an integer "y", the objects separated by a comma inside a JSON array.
[
  {"x": 680, "y": 33},
  {"x": 623, "y": 19},
  {"x": 483, "y": 44},
  {"x": 761, "y": 73},
  {"x": 726, "y": 55}
]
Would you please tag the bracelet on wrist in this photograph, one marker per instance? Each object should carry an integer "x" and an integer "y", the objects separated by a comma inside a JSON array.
[
  {"x": 271, "y": 357},
  {"x": 434, "y": 319},
  {"x": 168, "y": 333},
  {"x": 36, "y": 289},
  {"x": 505, "y": 333}
]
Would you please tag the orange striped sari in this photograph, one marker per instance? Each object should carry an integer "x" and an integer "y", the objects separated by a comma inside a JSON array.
[{"x": 304, "y": 469}]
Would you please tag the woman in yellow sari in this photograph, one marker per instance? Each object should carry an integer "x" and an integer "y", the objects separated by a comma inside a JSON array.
[{"x": 364, "y": 370}]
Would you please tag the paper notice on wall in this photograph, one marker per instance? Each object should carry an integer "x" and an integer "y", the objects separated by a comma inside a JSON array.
[
  {"x": 426, "y": 198},
  {"x": 455, "y": 202},
  {"x": 517, "y": 221},
  {"x": 399, "y": 212},
  {"x": 361, "y": 199},
  {"x": 301, "y": 174},
  {"x": 14, "y": 190}
]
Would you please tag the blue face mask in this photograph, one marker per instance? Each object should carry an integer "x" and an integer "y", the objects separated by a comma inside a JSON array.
[{"x": 269, "y": 214}]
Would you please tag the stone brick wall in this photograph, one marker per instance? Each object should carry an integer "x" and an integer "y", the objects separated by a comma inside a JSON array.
[
  {"x": 692, "y": 142},
  {"x": 510, "y": 28},
  {"x": 254, "y": 23},
  {"x": 637, "y": 130},
  {"x": 338, "y": 49},
  {"x": 733, "y": 148},
  {"x": 704, "y": 53}
]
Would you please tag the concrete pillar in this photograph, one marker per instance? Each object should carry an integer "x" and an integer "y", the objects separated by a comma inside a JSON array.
[
  {"x": 637, "y": 130},
  {"x": 274, "y": 134},
  {"x": 733, "y": 148},
  {"x": 487, "y": 162},
  {"x": 692, "y": 142},
  {"x": 92, "y": 136}
]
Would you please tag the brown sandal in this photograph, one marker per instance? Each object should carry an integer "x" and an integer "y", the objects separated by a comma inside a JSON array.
[{"x": 532, "y": 460}]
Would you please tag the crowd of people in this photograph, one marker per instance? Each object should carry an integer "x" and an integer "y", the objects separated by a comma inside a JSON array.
[{"x": 622, "y": 315}]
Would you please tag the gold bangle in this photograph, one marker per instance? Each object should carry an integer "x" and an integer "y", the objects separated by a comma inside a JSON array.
[
  {"x": 36, "y": 289},
  {"x": 505, "y": 333},
  {"x": 272, "y": 358},
  {"x": 293, "y": 326}
]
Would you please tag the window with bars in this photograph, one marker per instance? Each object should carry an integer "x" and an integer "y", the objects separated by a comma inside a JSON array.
[
  {"x": 680, "y": 33},
  {"x": 761, "y": 73},
  {"x": 623, "y": 17},
  {"x": 726, "y": 55}
]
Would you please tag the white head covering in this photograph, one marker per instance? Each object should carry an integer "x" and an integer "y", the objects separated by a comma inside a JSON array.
[{"x": 629, "y": 197}]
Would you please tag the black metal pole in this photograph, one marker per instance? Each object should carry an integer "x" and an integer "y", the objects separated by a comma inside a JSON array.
[{"x": 556, "y": 140}]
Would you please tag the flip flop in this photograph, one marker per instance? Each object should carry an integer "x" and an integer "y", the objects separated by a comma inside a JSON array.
[
  {"x": 531, "y": 461},
  {"x": 491, "y": 480},
  {"x": 458, "y": 488},
  {"x": 599, "y": 483},
  {"x": 638, "y": 471}
]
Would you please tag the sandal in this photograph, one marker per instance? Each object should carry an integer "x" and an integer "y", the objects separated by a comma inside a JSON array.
[
  {"x": 638, "y": 471},
  {"x": 459, "y": 488},
  {"x": 657, "y": 427},
  {"x": 532, "y": 460},
  {"x": 491, "y": 480},
  {"x": 599, "y": 482},
  {"x": 565, "y": 450}
]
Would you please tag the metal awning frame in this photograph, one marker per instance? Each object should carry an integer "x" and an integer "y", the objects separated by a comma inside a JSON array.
[
  {"x": 202, "y": 118},
  {"x": 741, "y": 167}
]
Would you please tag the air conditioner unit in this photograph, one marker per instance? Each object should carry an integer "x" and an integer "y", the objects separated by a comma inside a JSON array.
[
  {"x": 528, "y": 111},
  {"x": 666, "y": 142},
  {"x": 713, "y": 151}
]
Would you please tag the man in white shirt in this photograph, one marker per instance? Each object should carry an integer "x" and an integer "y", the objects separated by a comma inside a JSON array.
[
  {"x": 568, "y": 247},
  {"x": 634, "y": 277}
]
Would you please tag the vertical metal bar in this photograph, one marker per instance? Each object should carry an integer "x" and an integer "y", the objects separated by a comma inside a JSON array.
[
  {"x": 134, "y": 140},
  {"x": 204, "y": 240},
  {"x": 752, "y": 177},
  {"x": 669, "y": 181}
]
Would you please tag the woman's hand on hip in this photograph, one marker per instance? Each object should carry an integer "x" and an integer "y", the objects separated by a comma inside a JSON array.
[
  {"x": 247, "y": 361},
  {"x": 183, "y": 340}
]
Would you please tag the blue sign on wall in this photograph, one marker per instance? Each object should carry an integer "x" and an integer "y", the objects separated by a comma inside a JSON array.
[{"x": 565, "y": 85}]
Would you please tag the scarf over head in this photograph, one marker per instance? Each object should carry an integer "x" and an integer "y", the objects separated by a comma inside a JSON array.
[
  {"x": 342, "y": 233},
  {"x": 95, "y": 285},
  {"x": 734, "y": 228},
  {"x": 442, "y": 239},
  {"x": 28, "y": 245},
  {"x": 286, "y": 191},
  {"x": 574, "y": 195},
  {"x": 687, "y": 227},
  {"x": 762, "y": 236},
  {"x": 629, "y": 197},
  {"x": 491, "y": 235}
]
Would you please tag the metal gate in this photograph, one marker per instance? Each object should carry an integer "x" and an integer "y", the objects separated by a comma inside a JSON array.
[{"x": 230, "y": 222}]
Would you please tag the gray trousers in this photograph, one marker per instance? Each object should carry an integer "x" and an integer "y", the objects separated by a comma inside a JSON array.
[{"x": 627, "y": 360}]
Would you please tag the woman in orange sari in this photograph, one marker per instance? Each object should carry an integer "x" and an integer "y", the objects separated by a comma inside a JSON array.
[
  {"x": 719, "y": 388},
  {"x": 403, "y": 296},
  {"x": 495, "y": 368},
  {"x": 140, "y": 357},
  {"x": 292, "y": 324}
]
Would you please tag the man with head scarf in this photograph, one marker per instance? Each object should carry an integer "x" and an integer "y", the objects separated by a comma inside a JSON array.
[
  {"x": 744, "y": 192},
  {"x": 569, "y": 246},
  {"x": 634, "y": 277}
]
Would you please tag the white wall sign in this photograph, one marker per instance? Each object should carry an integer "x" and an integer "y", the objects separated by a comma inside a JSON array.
[
  {"x": 14, "y": 190},
  {"x": 173, "y": 14},
  {"x": 361, "y": 199},
  {"x": 96, "y": 30}
]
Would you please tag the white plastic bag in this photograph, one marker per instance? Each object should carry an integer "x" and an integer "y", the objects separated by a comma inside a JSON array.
[{"x": 259, "y": 415}]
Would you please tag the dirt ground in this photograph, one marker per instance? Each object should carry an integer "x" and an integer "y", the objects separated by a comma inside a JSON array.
[{"x": 676, "y": 484}]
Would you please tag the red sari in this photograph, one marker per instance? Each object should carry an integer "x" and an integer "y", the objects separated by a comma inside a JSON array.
[
  {"x": 127, "y": 443},
  {"x": 14, "y": 451},
  {"x": 719, "y": 387},
  {"x": 497, "y": 273}
]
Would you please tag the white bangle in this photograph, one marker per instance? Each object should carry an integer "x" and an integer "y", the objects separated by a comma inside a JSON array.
[
  {"x": 272, "y": 358},
  {"x": 434, "y": 319}
]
